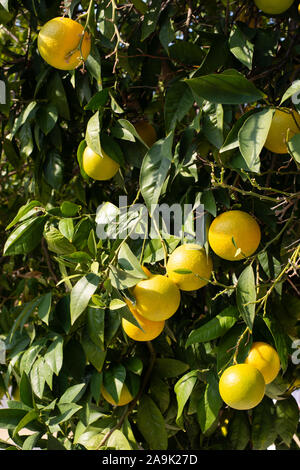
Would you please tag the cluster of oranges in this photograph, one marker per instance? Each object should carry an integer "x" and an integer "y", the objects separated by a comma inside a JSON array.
[
  {"x": 242, "y": 386},
  {"x": 233, "y": 235}
]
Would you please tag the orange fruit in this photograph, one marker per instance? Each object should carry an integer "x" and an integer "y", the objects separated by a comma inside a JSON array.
[
  {"x": 151, "y": 329},
  {"x": 242, "y": 386},
  {"x": 190, "y": 257},
  {"x": 99, "y": 167},
  {"x": 125, "y": 396},
  {"x": 157, "y": 298},
  {"x": 234, "y": 235},
  {"x": 61, "y": 45},
  {"x": 146, "y": 131},
  {"x": 273, "y": 7},
  {"x": 265, "y": 358},
  {"x": 285, "y": 124}
]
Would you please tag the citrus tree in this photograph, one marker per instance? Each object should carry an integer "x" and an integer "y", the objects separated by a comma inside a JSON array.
[{"x": 115, "y": 336}]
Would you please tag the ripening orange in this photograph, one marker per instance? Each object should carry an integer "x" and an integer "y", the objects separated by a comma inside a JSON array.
[{"x": 63, "y": 43}]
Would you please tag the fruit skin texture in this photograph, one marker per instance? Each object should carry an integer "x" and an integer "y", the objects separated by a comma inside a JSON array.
[
  {"x": 98, "y": 167},
  {"x": 273, "y": 7},
  {"x": 125, "y": 396},
  {"x": 242, "y": 386},
  {"x": 57, "y": 38},
  {"x": 146, "y": 131},
  {"x": 283, "y": 127},
  {"x": 237, "y": 225},
  {"x": 264, "y": 357},
  {"x": 192, "y": 257},
  {"x": 152, "y": 329},
  {"x": 157, "y": 298}
]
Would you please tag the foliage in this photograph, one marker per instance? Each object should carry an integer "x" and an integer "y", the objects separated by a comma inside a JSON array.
[{"x": 209, "y": 83}]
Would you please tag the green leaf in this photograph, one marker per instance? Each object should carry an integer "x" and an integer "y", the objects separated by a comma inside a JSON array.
[
  {"x": 82, "y": 293},
  {"x": 47, "y": 117},
  {"x": 280, "y": 338},
  {"x": 92, "y": 243},
  {"x": 252, "y": 137},
  {"x": 31, "y": 441},
  {"x": 239, "y": 432},
  {"x": 287, "y": 419},
  {"x": 170, "y": 367},
  {"x": 241, "y": 47},
  {"x": 11, "y": 153},
  {"x": 25, "y": 237},
  {"x": 129, "y": 262},
  {"x": 210, "y": 404},
  {"x": 187, "y": 53},
  {"x": 213, "y": 117},
  {"x": 160, "y": 393},
  {"x": 215, "y": 327},
  {"x": 294, "y": 147},
  {"x": 293, "y": 89},
  {"x": 113, "y": 380},
  {"x": 209, "y": 202},
  {"x": 155, "y": 167},
  {"x": 229, "y": 87},
  {"x": 110, "y": 146},
  {"x": 66, "y": 228},
  {"x": 57, "y": 95},
  {"x": 53, "y": 170},
  {"x": 95, "y": 355},
  {"x": 121, "y": 279},
  {"x": 118, "y": 441},
  {"x": 264, "y": 430},
  {"x": 54, "y": 355},
  {"x": 140, "y": 6},
  {"x": 37, "y": 377},
  {"x": 232, "y": 138},
  {"x": 26, "y": 211},
  {"x": 26, "y": 391},
  {"x": 96, "y": 324},
  {"x": 183, "y": 389},
  {"x": 92, "y": 134},
  {"x": 151, "y": 424},
  {"x": 72, "y": 394},
  {"x": 30, "y": 416},
  {"x": 179, "y": 100},
  {"x": 97, "y": 101},
  {"x": 246, "y": 296},
  {"x": 93, "y": 64},
  {"x": 44, "y": 307},
  {"x": 150, "y": 19},
  {"x": 9, "y": 418},
  {"x": 69, "y": 209},
  {"x": 67, "y": 411}
]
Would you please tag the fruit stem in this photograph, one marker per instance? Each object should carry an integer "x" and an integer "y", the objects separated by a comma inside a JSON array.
[{"x": 238, "y": 345}]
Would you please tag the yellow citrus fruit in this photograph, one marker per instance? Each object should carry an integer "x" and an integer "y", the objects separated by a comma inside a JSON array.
[
  {"x": 265, "y": 358},
  {"x": 61, "y": 45},
  {"x": 285, "y": 124},
  {"x": 190, "y": 257},
  {"x": 146, "y": 131},
  {"x": 242, "y": 386},
  {"x": 125, "y": 396},
  {"x": 99, "y": 167},
  {"x": 273, "y": 7},
  {"x": 151, "y": 329},
  {"x": 157, "y": 298},
  {"x": 234, "y": 235}
]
